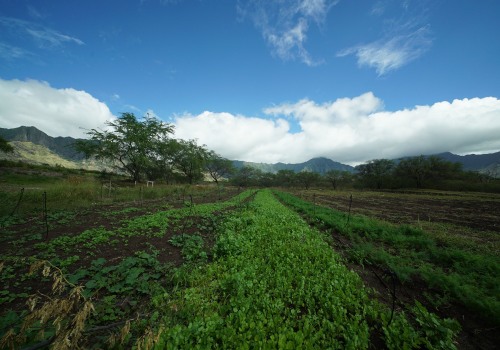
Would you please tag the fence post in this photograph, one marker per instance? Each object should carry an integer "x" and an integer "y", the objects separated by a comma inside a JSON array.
[
  {"x": 45, "y": 215},
  {"x": 18, "y": 202},
  {"x": 314, "y": 204},
  {"x": 349, "y": 214}
]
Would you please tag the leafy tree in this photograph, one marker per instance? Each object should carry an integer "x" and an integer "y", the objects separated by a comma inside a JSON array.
[
  {"x": 415, "y": 168},
  {"x": 441, "y": 169},
  {"x": 245, "y": 176},
  {"x": 131, "y": 145},
  {"x": 189, "y": 159},
  {"x": 266, "y": 179},
  {"x": 285, "y": 178},
  {"x": 5, "y": 146},
  {"x": 163, "y": 166},
  {"x": 376, "y": 172},
  {"x": 218, "y": 167},
  {"x": 335, "y": 177},
  {"x": 307, "y": 178}
]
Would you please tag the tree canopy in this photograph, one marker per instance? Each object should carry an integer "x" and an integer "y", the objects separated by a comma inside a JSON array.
[
  {"x": 5, "y": 146},
  {"x": 218, "y": 167},
  {"x": 376, "y": 172},
  {"x": 189, "y": 159},
  {"x": 131, "y": 145}
]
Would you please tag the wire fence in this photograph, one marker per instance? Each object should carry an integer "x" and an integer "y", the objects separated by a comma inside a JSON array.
[{"x": 29, "y": 203}]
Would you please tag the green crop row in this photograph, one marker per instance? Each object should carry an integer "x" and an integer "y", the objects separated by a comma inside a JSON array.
[
  {"x": 118, "y": 289},
  {"x": 276, "y": 283},
  {"x": 468, "y": 277},
  {"x": 148, "y": 225}
]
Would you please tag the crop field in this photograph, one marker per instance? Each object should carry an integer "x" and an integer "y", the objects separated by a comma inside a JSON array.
[
  {"x": 477, "y": 211},
  {"x": 442, "y": 247},
  {"x": 204, "y": 268}
]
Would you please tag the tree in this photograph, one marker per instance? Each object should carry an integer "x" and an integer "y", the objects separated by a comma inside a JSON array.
[
  {"x": 441, "y": 169},
  {"x": 307, "y": 178},
  {"x": 163, "y": 167},
  {"x": 285, "y": 178},
  {"x": 245, "y": 176},
  {"x": 266, "y": 179},
  {"x": 5, "y": 146},
  {"x": 131, "y": 145},
  {"x": 218, "y": 167},
  {"x": 415, "y": 168},
  {"x": 376, "y": 172},
  {"x": 189, "y": 159},
  {"x": 335, "y": 177}
]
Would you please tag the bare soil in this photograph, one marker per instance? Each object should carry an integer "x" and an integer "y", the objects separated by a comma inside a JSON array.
[{"x": 480, "y": 213}]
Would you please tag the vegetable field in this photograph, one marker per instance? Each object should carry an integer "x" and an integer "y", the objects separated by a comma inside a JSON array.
[{"x": 255, "y": 269}]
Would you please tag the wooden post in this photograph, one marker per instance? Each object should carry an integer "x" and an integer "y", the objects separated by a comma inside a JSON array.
[
  {"x": 45, "y": 215},
  {"x": 349, "y": 214}
]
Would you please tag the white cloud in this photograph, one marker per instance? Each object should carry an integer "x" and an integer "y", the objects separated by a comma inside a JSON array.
[
  {"x": 10, "y": 52},
  {"x": 350, "y": 130},
  {"x": 393, "y": 52},
  {"x": 48, "y": 37},
  {"x": 235, "y": 136},
  {"x": 57, "y": 112},
  {"x": 33, "y": 12},
  {"x": 42, "y": 35},
  {"x": 284, "y": 24},
  {"x": 378, "y": 8},
  {"x": 406, "y": 35}
]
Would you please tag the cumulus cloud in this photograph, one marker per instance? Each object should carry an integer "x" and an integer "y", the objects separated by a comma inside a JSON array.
[
  {"x": 235, "y": 136},
  {"x": 57, "y": 112},
  {"x": 349, "y": 130},
  {"x": 284, "y": 24}
]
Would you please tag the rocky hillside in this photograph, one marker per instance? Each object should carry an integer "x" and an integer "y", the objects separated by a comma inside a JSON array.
[{"x": 62, "y": 146}]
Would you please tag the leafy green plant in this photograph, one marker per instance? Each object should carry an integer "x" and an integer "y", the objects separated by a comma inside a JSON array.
[
  {"x": 192, "y": 247},
  {"x": 468, "y": 277},
  {"x": 274, "y": 283}
]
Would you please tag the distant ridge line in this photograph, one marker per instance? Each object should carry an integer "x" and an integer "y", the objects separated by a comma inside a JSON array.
[{"x": 63, "y": 147}]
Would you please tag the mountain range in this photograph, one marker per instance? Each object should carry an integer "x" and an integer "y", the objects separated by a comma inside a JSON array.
[
  {"x": 34, "y": 146},
  {"x": 319, "y": 165}
]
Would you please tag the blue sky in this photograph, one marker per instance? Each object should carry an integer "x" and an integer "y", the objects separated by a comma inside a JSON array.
[{"x": 261, "y": 80}]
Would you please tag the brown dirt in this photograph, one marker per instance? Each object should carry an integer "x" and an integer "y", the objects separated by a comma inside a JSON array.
[{"x": 480, "y": 214}]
